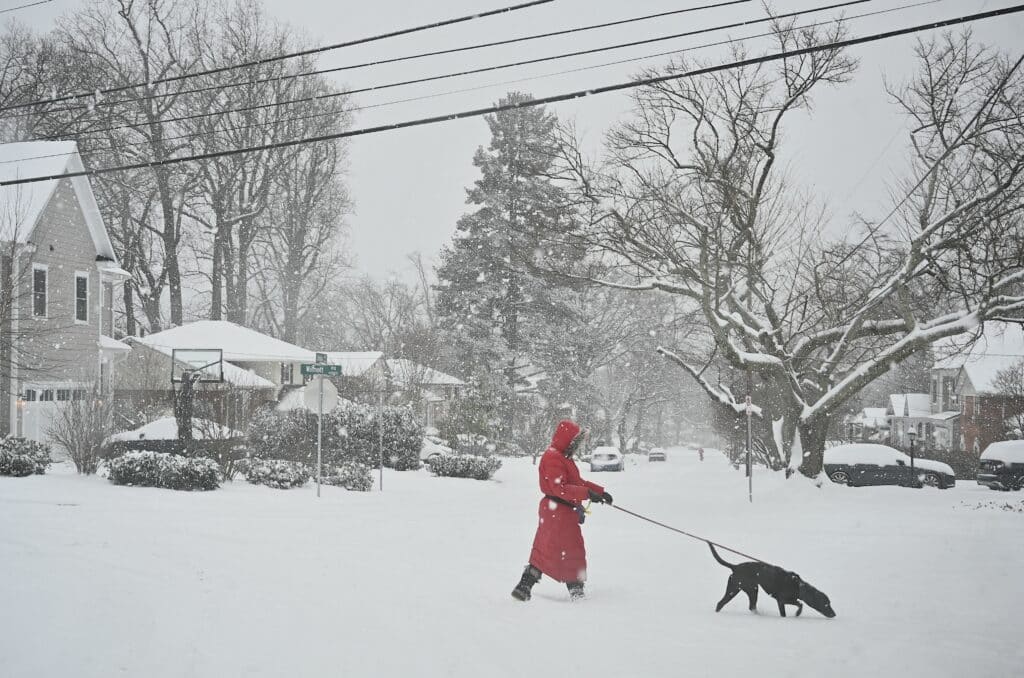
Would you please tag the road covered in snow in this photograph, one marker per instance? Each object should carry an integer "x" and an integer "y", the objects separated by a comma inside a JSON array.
[{"x": 108, "y": 581}]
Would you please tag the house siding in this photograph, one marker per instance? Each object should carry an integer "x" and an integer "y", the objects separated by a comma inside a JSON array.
[{"x": 56, "y": 346}]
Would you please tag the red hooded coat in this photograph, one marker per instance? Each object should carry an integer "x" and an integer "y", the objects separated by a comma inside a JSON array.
[{"x": 558, "y": 549}]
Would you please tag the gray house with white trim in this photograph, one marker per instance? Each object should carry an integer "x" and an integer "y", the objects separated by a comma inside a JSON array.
[{"x": 59, "y": 276}]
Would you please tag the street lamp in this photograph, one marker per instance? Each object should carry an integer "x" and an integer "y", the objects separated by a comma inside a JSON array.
[{"x": 912, "y": 435}]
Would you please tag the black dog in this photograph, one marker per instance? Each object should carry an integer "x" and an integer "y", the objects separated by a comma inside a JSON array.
[{"x": 787, "y": 588}]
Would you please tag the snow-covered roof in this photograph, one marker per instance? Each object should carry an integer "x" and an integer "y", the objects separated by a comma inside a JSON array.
[
  {"x": 999, "y": 346},
  {"x": 110, "y": 344},
  {"x": 354, "y": 363},
  {"x": 239, "y": 344},
  {"x": 407, "y": 372},
  {"x": 873, "y": 416},
  {"x": 21, "y": 205},
  {"x": 166, "y": 428},
  {"x": 233, "y": 374},
  {"x": 910, "y": 405},
  {"x": 294, "y": 399},
  {"x": 945, "y": 416}
]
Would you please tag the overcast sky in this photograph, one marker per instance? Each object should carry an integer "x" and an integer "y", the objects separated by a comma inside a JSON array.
[{"x": 409, "y": 186}]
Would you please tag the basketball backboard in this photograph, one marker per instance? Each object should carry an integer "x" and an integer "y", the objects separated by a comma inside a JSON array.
[{"x": 208, "y": 362}]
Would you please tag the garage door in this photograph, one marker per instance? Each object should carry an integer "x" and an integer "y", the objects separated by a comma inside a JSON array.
[{"x": 40, "y": 406}]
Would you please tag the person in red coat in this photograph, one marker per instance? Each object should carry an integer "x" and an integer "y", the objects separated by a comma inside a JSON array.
[{"x": 558, "y": 549}]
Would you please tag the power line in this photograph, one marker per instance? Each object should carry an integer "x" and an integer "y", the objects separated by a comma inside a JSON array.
[
  {"x": 487, "y": 69},
  {"x": 478, "y": 112},
  {"x": 282, "y": 57},
  {"x": 31, "y": 4},
  {"x": 391, "y": 60},
  {"x": 435, "y": 95}
]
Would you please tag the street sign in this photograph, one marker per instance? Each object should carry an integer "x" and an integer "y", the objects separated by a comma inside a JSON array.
[
  {"x": 321, "y": 358},
  {"x": 310, "y": 369}
]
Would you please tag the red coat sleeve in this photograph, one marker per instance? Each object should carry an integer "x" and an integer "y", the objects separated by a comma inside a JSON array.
[
  {"x": 555, "y": 480},
  {"x": 594, "y": 486}
]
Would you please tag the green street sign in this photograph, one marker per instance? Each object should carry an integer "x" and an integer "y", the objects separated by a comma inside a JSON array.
[{"x": 311, "y": 369}]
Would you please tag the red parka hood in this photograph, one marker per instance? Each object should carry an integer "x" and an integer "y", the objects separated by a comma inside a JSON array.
[{"x": 564, "y": 434}]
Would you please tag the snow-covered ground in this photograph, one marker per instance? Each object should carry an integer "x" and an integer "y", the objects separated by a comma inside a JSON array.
[{"x": 247, "y": 581}]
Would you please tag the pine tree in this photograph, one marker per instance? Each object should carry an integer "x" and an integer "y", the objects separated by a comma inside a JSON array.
[{"x": 488, "y": 287}]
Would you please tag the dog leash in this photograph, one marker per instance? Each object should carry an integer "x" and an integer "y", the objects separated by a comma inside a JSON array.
[{"x": 688, "y": 534}]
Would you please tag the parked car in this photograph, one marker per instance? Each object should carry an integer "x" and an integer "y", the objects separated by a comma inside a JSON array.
[
  {"x": 433, "y": 446},
  {"x": 657, "y": 454},
  {"x": 870, "y": 464},
  {"x": 1002, "y": 465},
  {"x": 607, "y": 458}
]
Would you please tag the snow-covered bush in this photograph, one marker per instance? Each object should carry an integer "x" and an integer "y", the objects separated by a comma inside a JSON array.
[
  {"x": 277, "y": 473},
  {"x": 159, "y": 469},
  {"x": 21, "y": 457},
  {"x": 465, "y": 466},
  {"x": 351, "y": 476},
  {"x": 350, "y": 435}
]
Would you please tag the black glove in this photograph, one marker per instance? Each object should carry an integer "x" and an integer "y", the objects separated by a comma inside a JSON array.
[{"x": 599, "y": 498}]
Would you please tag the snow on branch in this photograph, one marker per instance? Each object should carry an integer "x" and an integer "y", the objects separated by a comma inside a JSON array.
[{"x": 721, "y": 394}]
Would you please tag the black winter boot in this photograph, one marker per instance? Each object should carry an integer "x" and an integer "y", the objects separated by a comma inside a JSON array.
[
  {"x": 531, "y": 575},
  {"x": 575, "y": 590}
]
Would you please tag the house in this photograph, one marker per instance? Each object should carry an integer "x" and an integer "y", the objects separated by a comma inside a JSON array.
[
  {"x": 871, "y": 424},
  {"x": 363, "y": 374},
  {"x": 431, "y": 391},
  {"x": 983, "y": 402},
  {"x": 908, "y": 412},
  {"x": 257, "y": 368},
  {"x": 59, "y": 277}
]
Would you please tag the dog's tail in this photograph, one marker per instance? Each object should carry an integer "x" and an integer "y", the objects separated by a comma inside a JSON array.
[{"x": 718, "y": 557}]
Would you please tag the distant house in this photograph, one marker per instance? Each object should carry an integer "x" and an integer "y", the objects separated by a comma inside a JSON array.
[
  {"x": 59, "y": 276},
  {"x": 908, "y": 412},
  {"x": 431, "y": 391},
  {"x": 982, "y": 406},
  {"x": 871, "y": 424},
  {"x": 362, "y": 374},
  {"x": 257, "y": 368}
]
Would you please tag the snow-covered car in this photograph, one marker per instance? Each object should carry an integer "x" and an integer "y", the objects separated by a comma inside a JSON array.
[
  {"x": 1001, "y": 466},
  {"x": 870, "y": 464},
  {"x": 657, "y": 454},
  {"x": 607, "y": 458},
  {"x": 433, "y": 446}
]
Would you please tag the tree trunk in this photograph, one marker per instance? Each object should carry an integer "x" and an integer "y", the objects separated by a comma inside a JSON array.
[
  {"x": 217, "y": 278},
  {"x": 129, "y": 307},
  {"x": 812, "y": 437}
]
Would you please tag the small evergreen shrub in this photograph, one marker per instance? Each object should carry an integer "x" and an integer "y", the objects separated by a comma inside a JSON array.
[
  {"x": 159, "y": 469},
  {"x": 20, "y": 457},
  {"x": 277, "y": 473},
  {"x": 351, "y": 476},
  {"x": 464, "y": 466}
]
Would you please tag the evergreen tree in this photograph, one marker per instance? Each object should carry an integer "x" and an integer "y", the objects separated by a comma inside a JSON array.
[{"x": 487, "y": 286}]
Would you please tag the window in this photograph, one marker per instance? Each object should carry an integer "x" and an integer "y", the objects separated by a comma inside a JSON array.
[
  {"x": 81, "y": 297},
  {"x": 63, "y": 394},
  {"x": 39, "y": 291},
  {"x": 30, "y": 395},
  {"x": 287, "y": 373},
  {"x": 46, "y": 395}
]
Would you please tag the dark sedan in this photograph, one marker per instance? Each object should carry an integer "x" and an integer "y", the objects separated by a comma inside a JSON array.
[
  {"x": 1002, "y": 466},
  {"x": 869, "y": 464}
]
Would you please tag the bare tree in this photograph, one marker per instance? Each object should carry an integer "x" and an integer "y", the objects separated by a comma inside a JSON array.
[
  {"x": 1009, "y": 383},
  {"x": 81, "y": 427},
  {"x": 693, "y": 199}
]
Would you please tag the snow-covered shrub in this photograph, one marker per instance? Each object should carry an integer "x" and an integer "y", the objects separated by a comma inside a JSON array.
[
  {"x": 159, "y": 469},
  {"x": 350, "y": 435},
  {"x": 351, "y": 476},
  {"x": 277, "y": 473},
  {"x": 21, "y": 457},
  {"x": 464, "y": 466}
]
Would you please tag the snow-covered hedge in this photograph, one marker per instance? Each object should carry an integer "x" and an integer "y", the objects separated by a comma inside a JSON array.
[
  {"x": 159, "y": 469},
  {"x": 21, "y": 457},
  {"x": 277, "y": 473},
  {"x": 351, "y": 476},
  {"x": 464, "y": 466},
  {"x": 350, "y": 435}
]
